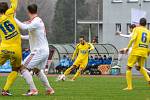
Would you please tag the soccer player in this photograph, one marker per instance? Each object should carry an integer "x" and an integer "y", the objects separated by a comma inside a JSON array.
[
  {"x": 122, "y": 50},
  {"x": 10, "y": 48},
  {"x": 38, "y": 57},
  {"x": 82, "y": 53},
  {"x": 140, "y": 41}
]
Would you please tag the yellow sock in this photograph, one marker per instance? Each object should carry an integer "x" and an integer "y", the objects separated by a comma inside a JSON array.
[
  {"x": 10, "y": 80},
  {"x": 129, "y": 78},
  {"x": 78, "y": 73},
  {"x": 143, "y": 71},
  {"x": 67, "y": 71}
]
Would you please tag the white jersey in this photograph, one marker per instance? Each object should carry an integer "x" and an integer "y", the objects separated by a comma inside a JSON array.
[{"x": 37, "y": 34}]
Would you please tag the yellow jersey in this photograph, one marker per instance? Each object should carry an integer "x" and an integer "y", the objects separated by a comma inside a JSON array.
[
  {"x": 9, "y": 31},
  {"x": 140, "y": 41},
  {"x": 82, "y": 51}
]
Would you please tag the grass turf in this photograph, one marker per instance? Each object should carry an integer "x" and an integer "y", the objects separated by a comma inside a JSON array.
[{"x": 85, "y": 88}]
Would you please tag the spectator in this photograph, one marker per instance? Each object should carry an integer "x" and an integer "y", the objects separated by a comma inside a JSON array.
[
  {"x": 25, "y": 53},
  {"x": 96, "y": 61},
  {"x": 100, "y": 60},
  {"x": 64, "y": 63},
  {"x": 109, "y": 60},
  {"x": 105, "y": 61}
]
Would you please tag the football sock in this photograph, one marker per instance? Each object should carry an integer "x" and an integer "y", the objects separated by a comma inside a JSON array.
[
  {"x": 67, "y": 71},
  {"x": 129, "y": 78},
  {"x": 28, "y": 77},
  {"x": 10, "y": 80},
  {"x": 119, "y": 58},
  {"x": 41, "y": 75},
  {"x": 78, "y": 73}
]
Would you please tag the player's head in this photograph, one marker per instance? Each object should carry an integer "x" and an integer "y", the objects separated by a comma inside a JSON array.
[
  {"x": 32, "y": 10},
  {"x": 82, "y": 39},
  {"x": 132, "y": 27},
  {"x": 143, "y": 22},
  {"x": 3, "y": 7}
]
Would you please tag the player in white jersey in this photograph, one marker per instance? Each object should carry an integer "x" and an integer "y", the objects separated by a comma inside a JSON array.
[
  {"x": 38, "y": 57},
  {"x": 121, "y": 53}
]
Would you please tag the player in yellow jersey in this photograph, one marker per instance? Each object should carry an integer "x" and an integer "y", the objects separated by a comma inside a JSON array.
[
  {"x": 82, "y": 53},
  {"x": 10, "y": 48},
  {"x": 140, "y": 41}
]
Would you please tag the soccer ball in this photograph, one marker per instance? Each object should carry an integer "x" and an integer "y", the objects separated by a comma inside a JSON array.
[{"x": 61, "y": 78}]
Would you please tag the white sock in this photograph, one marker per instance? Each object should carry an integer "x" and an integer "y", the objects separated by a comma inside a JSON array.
[
  {"x": 119, "y": 58},
  {"x": 28, "y": 77},
  {"x": 43, "y": 78},
  {"x": 147, "y": 71}
]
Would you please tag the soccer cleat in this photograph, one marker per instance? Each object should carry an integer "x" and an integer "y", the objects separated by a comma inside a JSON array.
[
  {"x": 6, "y": 93},
  {"x": 50, "y": 91},
  {"x": 61, "y": 78},
  {"x": 31, "y": 93},
  {"x": 127, "y": 89}
]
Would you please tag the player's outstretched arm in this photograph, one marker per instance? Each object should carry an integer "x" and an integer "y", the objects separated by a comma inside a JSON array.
[
  {"x": 126, "y": 36},
  {"x": 25, "y": 26},
  {"x": 12, "y": 9},
  {"x": 25, "y": 37},
  {"x": 14, "y": 4},
  {"x": 91, "y": 47}
]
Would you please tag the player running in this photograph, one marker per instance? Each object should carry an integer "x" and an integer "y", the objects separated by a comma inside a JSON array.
[
  {"x": 82, "y": 53},
  {"x": 10, "y": 48},
  {"x": 140, "y": 41},
  {"x": 38, "y": 57}
]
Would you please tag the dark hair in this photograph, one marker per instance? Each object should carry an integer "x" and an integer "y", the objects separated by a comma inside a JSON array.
[
  {"x": 143, "y": 21},
  {"x": 132, "y": 26},
  {"x": 32, "y": 8},
  {"x": 82, "y": 37},
  {"x": 3, "y": 7}
]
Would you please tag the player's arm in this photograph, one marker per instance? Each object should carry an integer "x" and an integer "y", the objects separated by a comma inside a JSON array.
[
  {"x": 31, "y": 26},
  {"x": 91, "y": 47},
  {"x": 75, "y": 53},
  {"x": 126, "y": 36},
  {"x": 25, "y": 37},
  {"x": 134, "y": 36},
  {"x": 13, "y": 7}
]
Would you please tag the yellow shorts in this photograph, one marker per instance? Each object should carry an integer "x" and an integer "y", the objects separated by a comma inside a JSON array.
[
  {"x": 14, "y": 54},
  {"x": 133, "y": 59},
  {"x": 81, "y": 63}
]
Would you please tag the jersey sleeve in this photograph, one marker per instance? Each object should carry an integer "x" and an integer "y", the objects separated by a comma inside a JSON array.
[
  {"x": 75, "y": 52},
  {"x": 133, "y": 37},
  {"x": 12, "y": 9},
  {"x": 30, "y": 26}
]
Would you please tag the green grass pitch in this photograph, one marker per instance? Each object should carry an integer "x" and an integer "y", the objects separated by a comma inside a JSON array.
[{"x": 84, "y": 88}]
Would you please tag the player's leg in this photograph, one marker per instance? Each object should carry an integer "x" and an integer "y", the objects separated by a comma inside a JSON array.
[
  {"x": 12, "y": 76},
  {"x": 141, "y": 62},
  {"x": 42, "y": 76},
  {"x": 74, "y": 66},
  {"x": 28, "y": 63},
  {"x": 131, "y": 61},
  {"x": 79, "y": 71},
  {"x": 138, "y": 69}
]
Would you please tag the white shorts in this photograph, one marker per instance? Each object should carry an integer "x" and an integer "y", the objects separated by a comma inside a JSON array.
[{"x": 37, "y": 59}]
